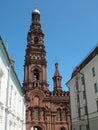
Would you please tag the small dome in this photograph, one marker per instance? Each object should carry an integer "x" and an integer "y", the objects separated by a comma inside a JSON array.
[{"x": 36, "y": 11}]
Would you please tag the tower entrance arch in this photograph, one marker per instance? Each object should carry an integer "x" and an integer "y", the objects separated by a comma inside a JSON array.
[
  {"x": 63, "y": 128},
  {"x": 36, "y": 128}
]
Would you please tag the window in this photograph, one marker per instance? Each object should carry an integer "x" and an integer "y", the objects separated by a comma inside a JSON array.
[
  {"x": 84, "y": 95},
  {"x": 80, "y": 127},
  {"x": 93, "y": 72},
  {"x": 97, "y": 105},
  {"x": 77, "y": 84},
  {"x": 36, "y": 113},
  {"x": 85, "y": 110},
  {"x": 82, "y": 79},
  {"x": 87, "y": 128},
  {"x": 95, "y": 87},
  {"x": 36, "y": 40},
  {"x": 58, "y": 114},
  {"x": 64, "y": 114}
]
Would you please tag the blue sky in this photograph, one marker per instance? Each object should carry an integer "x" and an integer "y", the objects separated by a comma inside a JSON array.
[{"x": 70, "y": 28}]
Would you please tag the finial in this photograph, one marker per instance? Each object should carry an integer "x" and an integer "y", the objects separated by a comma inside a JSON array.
[
  {"x": 36, "y": 8},
  {"x": 56, "y": 65}
]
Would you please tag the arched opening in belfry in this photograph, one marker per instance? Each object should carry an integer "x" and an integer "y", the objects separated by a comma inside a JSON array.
[
  {"x": 36, "y": 128},
  {"x": 36, "y": 74},
  {"x": 36, "y": 40}
]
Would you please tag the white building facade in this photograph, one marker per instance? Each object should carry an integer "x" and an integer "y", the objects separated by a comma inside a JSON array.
[
  {"x": 12, "y": 102},
  {"x": 83, "y": 87}
]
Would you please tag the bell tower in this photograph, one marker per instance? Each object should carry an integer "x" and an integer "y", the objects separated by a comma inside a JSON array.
[
  {"x": 35, "y": 58},
  {"x": 45, "y": 110}
]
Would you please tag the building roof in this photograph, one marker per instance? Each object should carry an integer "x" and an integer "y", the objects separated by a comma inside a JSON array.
[{"x": 85, "y": 61}]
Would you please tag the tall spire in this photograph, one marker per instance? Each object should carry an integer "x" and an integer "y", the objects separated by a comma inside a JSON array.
[
  {"x": 35, "y": 58},
  {"x": 57, "y": 78}
]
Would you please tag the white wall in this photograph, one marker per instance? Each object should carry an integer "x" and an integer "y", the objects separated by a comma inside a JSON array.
[
  {"x": 92, "y": 97},
  {"x": 12, "y": 102}
]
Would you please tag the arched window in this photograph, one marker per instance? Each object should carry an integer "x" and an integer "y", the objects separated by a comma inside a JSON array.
[
  {"x": 58, "y": 114},
  {"x": 36, "y": 40},
  {"x": 64, "y": 114},
  {"x": 36, "y": 74}
]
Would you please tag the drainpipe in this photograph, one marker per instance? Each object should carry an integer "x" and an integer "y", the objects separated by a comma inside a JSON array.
[{"x": 88, "y": 126}]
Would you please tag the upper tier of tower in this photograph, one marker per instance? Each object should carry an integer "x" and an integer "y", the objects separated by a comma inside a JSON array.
[
  {"x": 35, "y": 34},
  {"x": 35, "y": 52}
]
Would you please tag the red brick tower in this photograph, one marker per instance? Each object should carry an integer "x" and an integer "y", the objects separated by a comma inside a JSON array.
[{"x": 45, "y": 110}]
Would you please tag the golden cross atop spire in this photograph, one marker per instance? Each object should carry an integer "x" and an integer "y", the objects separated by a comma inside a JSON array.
[
  {"x": 35, "y": 5},
  {"x": 36, "y": 8}
]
